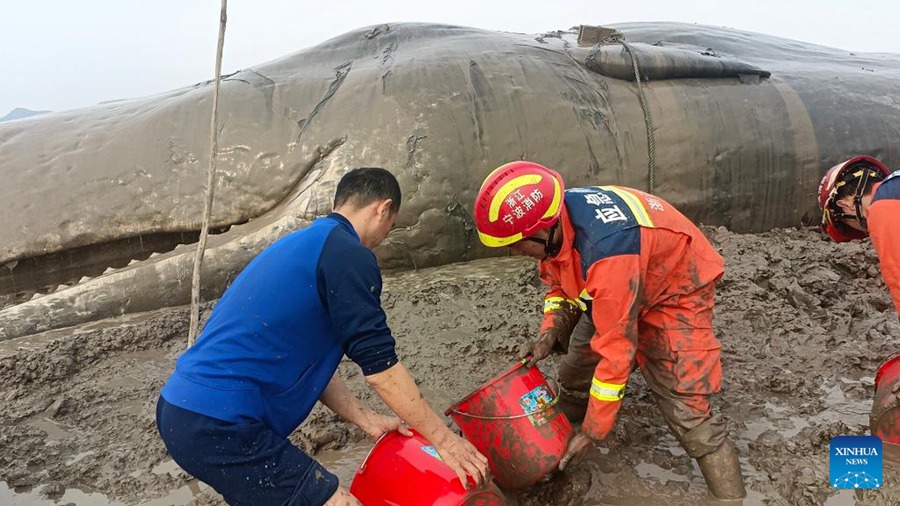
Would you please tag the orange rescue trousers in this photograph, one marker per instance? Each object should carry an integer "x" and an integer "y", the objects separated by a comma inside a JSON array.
[{"x": 679, "y": 358}]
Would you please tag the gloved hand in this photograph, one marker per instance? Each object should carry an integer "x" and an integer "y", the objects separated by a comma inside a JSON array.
[
  {"x": 579, "y": 446},
  {"x": 555, "y": 332},
  {"x": 538, "y": 349}
]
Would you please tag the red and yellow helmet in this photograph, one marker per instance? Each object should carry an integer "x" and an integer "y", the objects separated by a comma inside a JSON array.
[
  {"x": 515, "y": 201},
  {"x": 855, "y": 172}
]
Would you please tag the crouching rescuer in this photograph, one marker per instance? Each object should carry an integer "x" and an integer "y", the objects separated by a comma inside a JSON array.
[
  {"x": 860, "y": 198},
  {"x": 631, "y": 284}
]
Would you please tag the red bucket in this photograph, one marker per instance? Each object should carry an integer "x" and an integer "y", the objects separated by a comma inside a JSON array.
[
  {"x": 884, "y": 421},
  {"x": 407, "y": 471},
  {"x": 514, "y": 421}
]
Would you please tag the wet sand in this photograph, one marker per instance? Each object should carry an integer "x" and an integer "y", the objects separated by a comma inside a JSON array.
[{"x": 804, "y": 324}]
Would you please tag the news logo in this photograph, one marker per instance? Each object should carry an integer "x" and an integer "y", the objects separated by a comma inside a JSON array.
[{"x": 855, "y": 462}]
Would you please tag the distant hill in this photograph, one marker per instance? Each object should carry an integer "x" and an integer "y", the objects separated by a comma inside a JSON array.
[{"x": 19, "y": 113}]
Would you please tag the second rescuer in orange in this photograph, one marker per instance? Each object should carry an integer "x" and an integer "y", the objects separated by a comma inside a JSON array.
[{"x": 643, "y": 276}]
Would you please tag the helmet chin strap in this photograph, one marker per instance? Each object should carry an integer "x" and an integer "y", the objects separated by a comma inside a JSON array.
[
  {"x": 550, "y": 248},
  {"x": 857, "y": 199}
]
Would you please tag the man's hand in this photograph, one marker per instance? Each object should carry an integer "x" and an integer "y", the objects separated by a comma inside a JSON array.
[
  {"x": 398, "y": 390},
  {"x": 555, "y": 330},
  {"x": 378, "y": 425},
  {"x": 539, "y": 349},
  {"x": 579, "y": 446},
  {"x": 464, "y": 459}
]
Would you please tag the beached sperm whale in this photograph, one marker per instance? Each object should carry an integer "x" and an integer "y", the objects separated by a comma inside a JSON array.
[{"x": 744, "y": 124}]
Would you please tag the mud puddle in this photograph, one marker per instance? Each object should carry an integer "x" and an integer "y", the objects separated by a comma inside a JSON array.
[
  {"x": 344, "y": 462},
  {"x": 184, "y": 495},
  {"x": 35, "y": 497}
]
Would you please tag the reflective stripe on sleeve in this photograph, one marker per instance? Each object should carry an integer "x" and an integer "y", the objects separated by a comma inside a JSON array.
[
  {"x": 555, "y": 303},
  {"x": 610, "y": 392}
]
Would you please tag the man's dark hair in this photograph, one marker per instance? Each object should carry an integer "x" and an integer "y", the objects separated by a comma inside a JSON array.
[{"x": 360, "y": 187}]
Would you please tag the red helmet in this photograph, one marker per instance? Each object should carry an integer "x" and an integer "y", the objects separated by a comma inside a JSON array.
[
  {"x": 856, "y": 171},
  {"x": 515, "y": 201}
]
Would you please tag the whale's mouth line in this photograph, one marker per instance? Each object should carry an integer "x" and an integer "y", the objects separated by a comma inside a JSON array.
[{"x": 29, "y": 278}]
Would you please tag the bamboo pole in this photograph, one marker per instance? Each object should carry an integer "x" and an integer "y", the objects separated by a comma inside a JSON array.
[{"x": 210, "y": 182}]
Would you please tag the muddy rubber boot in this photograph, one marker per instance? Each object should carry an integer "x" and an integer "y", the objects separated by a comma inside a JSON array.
[{"x": 722, "y": 471}]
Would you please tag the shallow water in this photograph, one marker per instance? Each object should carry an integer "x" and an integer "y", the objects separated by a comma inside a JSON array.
[{"x": 34, "y": 497}]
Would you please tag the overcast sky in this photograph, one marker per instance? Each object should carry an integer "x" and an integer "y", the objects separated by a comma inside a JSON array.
[{"x": 65, "y": 54}]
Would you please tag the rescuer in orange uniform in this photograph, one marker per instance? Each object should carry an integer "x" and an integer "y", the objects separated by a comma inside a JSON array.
[
  {"x": 644, "y": 276},
  {"x": 860, "y": 198}
]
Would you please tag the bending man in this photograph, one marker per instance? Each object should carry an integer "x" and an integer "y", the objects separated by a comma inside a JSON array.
[
  {"x": 271, "y": 349},
  {"x": 644, "y": 278},
  {"x": 860, "y": 199}
]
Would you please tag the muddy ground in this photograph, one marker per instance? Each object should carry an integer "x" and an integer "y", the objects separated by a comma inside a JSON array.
[{"x": 804, "y": 324}]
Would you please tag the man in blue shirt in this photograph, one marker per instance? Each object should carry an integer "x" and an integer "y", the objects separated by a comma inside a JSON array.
[{"x": 272, "y": 346}]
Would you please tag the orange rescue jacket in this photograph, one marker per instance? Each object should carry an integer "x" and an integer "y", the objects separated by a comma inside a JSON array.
[{"x": 624, "y": 251}]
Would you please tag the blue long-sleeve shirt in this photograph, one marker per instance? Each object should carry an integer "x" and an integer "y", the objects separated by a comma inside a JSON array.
[{"x": 277, "y": 335}]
